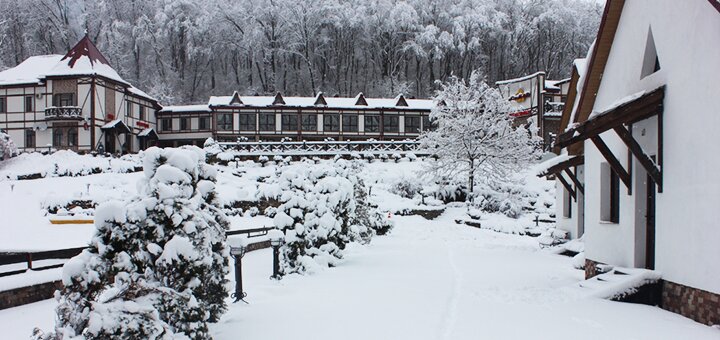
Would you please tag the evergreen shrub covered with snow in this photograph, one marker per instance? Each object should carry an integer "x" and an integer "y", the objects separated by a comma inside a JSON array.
[
  {"x": 7, "y": 146},
  {"x": 156, "y": 267},
  {"x": 323, "y": 208}
]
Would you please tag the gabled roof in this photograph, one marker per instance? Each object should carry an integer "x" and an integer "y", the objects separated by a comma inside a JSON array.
[
  {"x": 360, "y": 99},
  {"x": 320, "y": 99},
  {"x": 278, "y": 99},
  {"x": 235, "y": 100},
  {"x": 598, "y": 59},
  {"x": 84, "y": 59},
  {"x": 400, "y": 101},
  {"x": 30, "y": 71},
  {"x": 312, "y": 102}
]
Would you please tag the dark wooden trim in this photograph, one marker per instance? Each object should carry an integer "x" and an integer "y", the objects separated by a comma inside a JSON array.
[
  {"x": 613, "y": 161},
  {"x": 715, "y": 4},
  {"x": 647, "y": 163},
  {"x": 575, "y": 180},
  {"x": 567, "y": 186},
  {"x": 575, "y": 161},
  {"x": 648, "y": 105}
]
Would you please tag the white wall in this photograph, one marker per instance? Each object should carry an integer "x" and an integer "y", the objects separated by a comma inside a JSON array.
[
  {"x": 574, "y": 224},
  {"x": 687, "y": 221}
]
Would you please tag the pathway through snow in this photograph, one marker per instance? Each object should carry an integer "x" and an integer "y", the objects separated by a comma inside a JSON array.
[{"x": 427, "y": 280}]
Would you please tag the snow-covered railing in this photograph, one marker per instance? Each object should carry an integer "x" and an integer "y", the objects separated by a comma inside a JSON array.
[
  {"x": 19, "y": 262},
  {"x": 324, "y": 148},
  {"x": 63, "y": 112}
]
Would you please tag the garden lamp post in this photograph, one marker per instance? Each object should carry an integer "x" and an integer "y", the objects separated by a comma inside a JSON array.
[
  {"x": 238, "y": 246},
  {"x": 277, "y": 239}
]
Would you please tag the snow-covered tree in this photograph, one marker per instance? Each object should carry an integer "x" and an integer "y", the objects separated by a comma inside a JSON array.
[
  {"x": 473, "y": 136},
  {"x": 7, "y": 146},
  {"x": 315, "y": 213},
  {"x": 156, "y": 266}
]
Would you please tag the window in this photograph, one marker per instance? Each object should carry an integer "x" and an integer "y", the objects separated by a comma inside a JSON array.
[
  {"x": 29, "y": 104},
  {"x": 247, "y": 122},
  {"x": 204, "y": 123},
  {"x": 224, "y": 121},
  {"x": 651, "y": 63},
  {"x": 289, "y": 122},
  {"x": 350, "y": 123},
  {"x": 372, "y": 123},
  {"x": 391, "y": 123},
  {"x": 567, "y": 203},
  {"x": 184, "y": 124},
  {"x": 128, "y": 108},
  {"x": 427, "y": 125},
  {"x": 309, "y": 122},
  {"x": 267, "y": 122},
  {"x": 610, "y": 194},
  {"x": 3, "y": 106},
  {"x": 331, "y": 122},
  {"x": 65, "y": 136},
  {"x": 64, "y": 99},
  {"x": 29, "y": 138},
  {"x": 166, "y": 124},
  {"x": 142, "y": 114},
  {"x": 412, "y": 124}
]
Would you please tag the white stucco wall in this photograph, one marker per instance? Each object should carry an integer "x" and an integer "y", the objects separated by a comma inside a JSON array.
[
  {"x": 574, "y": 224},
  {"x": 686, "y": 35}
]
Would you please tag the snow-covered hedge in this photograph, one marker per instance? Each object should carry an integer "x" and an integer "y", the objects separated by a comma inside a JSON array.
[
  {"x": 157, "y": 265},
  {"x": 65, "y": 163},
  {"x": 323, "y": 208}
]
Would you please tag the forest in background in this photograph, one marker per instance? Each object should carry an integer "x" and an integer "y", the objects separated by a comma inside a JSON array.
[{"x": 182, "y": 51}]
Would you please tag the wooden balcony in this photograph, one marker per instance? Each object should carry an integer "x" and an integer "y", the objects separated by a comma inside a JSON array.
[{"x": 63, "y": 113}]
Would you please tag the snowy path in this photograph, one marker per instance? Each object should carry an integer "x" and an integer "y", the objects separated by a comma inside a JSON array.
[
  {"x": 437, "y": 280},
  {"x": 428, "y": 280}
]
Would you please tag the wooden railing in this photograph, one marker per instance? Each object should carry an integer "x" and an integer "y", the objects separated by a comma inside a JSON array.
[
  {"x": 324, "y": 148},
  {"x": 13, "y": 263},
  {"x": 63, "y": 112}
]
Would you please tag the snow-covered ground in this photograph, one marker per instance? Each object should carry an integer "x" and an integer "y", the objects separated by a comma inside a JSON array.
[{"x": 427, "y": 280}]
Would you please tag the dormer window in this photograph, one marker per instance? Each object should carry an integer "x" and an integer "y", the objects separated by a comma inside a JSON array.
[{"x": 651, "y": 62}]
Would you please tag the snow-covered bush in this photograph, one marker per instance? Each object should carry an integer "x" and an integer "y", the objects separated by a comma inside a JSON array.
[
  {"x": 157, "y": 263},
  {"x": 396, "y": 157},
  {"x": 7, "y": 146},
  {"x": 407, "y": 187},
  {"x": 411, "y": 157},
  {"x": 314, "y": 215}
]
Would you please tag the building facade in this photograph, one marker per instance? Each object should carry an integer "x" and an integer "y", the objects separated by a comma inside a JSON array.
[
  {"x": 267, "y": 118},
  {"x": 536, "y": 102},
  {"x": 76, "y": 102},
  {"x": 643, "y": 132}
]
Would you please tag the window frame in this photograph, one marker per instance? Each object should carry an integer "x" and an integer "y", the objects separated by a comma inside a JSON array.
[
  {"x": 166, "y": 124},
  {"x": 266, "y": 121},
  {"x": 331, "y": 122},
  {"x": 185, "y": 123},
  {"x": 411, "y": 128},
  {"x": 30, "y": 138},
  {"x": 371, "y": 121},
  {"x": 350, "y": 122},
  {"x": 286, "y": 122},
  {"x": 207, "y": 123},
  {"x": 308, "y": 122},
  {"x": 222, "y": 122},
  {"x": 29, "y": 104},
  {"x": 247, "y": 122},
  {"x": 391, "y": 128}
]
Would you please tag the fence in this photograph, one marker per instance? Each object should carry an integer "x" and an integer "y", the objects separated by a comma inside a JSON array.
[
  {"x": 13, "y": 263},
  {"x": 324, "y": 148}
]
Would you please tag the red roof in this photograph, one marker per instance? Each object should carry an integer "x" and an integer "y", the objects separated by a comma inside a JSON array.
[{"x": 85, "y": 47}]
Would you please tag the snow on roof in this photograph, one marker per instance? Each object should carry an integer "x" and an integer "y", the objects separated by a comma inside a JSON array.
[
  {"x": 552, "y": 84},
  {"x": 30, "y": 71},
  {"x": 332, "y": 102},
  {"x": 112, "y": 124},
  {"x": 582, "y": 66},
  {"x": 83, "y": 59},
  {"x": 146, "y": 132},
  {"x": 523, "y": 78},
  {"x": 617, "y": 103},
  {"x": 186, "y": 108},
  {"x": 134, "y": 90},
  {"x": 543, "y": 167}
]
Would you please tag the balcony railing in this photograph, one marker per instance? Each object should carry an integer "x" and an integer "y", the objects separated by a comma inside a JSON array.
[{"x": 63, "y": 112}]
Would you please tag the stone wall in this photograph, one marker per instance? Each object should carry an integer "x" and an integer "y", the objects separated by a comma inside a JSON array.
[
  {"x": 591, "y": 269},
  {"x": 699, "y": 305},
  {"x": 24, "y": 295}
]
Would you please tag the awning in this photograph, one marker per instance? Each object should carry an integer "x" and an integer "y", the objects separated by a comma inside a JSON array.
[
  {"x": 627, "y": 111},
  {"x": 148, "y": 133},
  {"x": 556, "y": 166},
  {"x": 117, "y": 125}
]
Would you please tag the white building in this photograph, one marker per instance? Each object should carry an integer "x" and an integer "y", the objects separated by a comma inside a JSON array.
[
  {"x": 645, "y": 126},
  {"x": 77, "y": 102}
]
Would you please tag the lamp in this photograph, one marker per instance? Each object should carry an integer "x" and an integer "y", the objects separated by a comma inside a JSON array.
[
  {"x": 277, "y": 238},
  {"x": 238, "y": 247}
]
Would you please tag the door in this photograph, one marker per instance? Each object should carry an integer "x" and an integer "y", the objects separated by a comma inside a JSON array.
[
  {"x": 650, "y": 225},
  {"x": 109, "y": 142}
]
